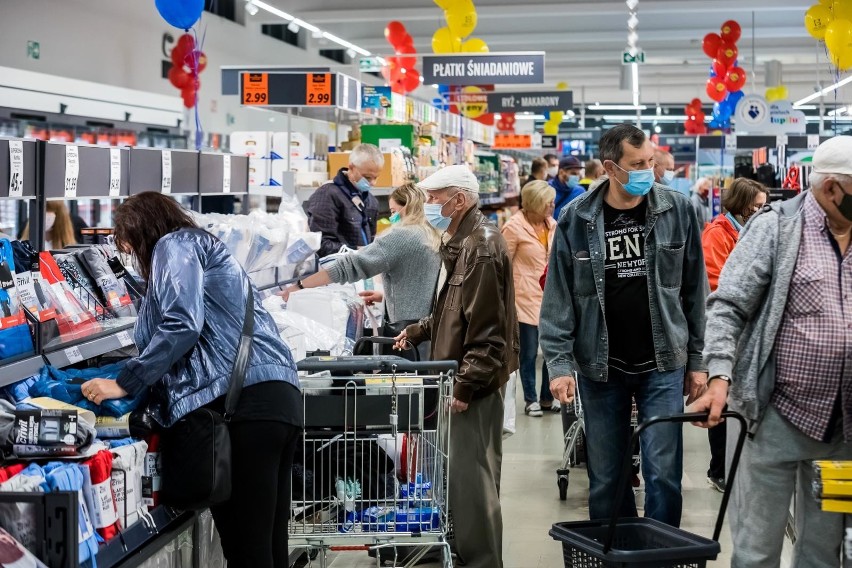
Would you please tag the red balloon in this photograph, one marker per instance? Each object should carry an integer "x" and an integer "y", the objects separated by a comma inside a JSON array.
[
  {"x": 195, "y": 58},
  {"x": 716, "y": 89},
  {"x": 405, "y": 62},
  {"x": 699, "y": 116},
  {"x": 735, "y": 79},
  {"x": 509, "y": 118},
  {"x": 405, "y": 42},
  {"x": 411, "y": 81},
  {"x": 178, "y": 77},
  {"x": 695, "y": 103},
  {"x": 711, "y": 44},
  {"x": 731, "y": 31},
  {"x": 395, "y": 32},
  {"x": 700, "y": 128},
  {"x": 398, "y": 88},
  {"x": 689, "y": 126},
  {"x": 396, "y": 74},
  {"x": 719, "y": 68},
  {"x": 179, "y": 55},
  {"x": 188, "y": 97},
  {"x": 727, "y": 54}
]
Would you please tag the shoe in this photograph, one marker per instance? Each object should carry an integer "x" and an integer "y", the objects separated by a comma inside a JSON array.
[
  {"x": 533, "y": 409},
  {"x": 552, "y": 407},
  {"x": 717, "y": 483}
]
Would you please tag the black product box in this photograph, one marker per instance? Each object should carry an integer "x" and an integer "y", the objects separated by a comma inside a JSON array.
[{"x": 45, "y": 432}]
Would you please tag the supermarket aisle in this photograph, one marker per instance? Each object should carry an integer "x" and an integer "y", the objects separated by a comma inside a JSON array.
[{"x": 531, "y": 500}]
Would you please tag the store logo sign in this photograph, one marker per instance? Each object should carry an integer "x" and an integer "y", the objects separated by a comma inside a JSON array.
[{"x": 754, "y": 115}]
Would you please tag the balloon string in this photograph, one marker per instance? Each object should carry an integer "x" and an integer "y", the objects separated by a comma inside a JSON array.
[{"x": 199, "y": 132}]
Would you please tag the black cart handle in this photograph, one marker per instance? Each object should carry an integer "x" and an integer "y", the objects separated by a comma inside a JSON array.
[
  {"x": 368, "y": 364},
  {"x": 678, "y": 418},
  {"x": 385, "y": 341}
]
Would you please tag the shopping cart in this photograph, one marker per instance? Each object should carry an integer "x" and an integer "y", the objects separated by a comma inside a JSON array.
[
  {"x": 372, "y": 473},
  {"x": 643, "y": 542},
  {"x": 573, "y": 452}
]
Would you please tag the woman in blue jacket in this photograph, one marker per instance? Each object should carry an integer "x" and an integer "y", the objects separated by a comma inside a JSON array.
[{"x": 187, "y": 333}]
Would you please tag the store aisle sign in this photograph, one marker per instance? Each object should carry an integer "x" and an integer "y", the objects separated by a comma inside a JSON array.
[
  {"x": 114, "y": 172},
  {"x": 166, "y": 183},
  {"x": 370, "y": 64},
  {"x": 530, "y": 102},
  {"x": 72, "y": 170},
  {"x": 754, "y": 115},
  {"x": 255, "y": 88},
  {"x": 226, "y": 173},
  {"x": 484, "y": 69},
  {"x": 318, "y": 89},
  {"x": 508, "y": 141},
  {"x": 376, "y": 97},
  {"x": 16, "y": 168}
]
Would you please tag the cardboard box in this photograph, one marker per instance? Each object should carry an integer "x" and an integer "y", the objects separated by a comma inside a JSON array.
[{"x": 392, "y": 174}]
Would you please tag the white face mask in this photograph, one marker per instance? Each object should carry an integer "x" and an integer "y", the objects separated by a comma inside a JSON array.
[
  {"x": 553, "y": 171},
  {"x": 49, "y": 220}
]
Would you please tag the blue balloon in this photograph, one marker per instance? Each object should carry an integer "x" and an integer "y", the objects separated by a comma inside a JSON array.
[
  {"x": 546, "y": 115},
  {"x": 443, "y": 89},
  {"x": 712, "y": 73},
  {"x": 180, "y": 13},
  {"x": 734, "y": 98}
]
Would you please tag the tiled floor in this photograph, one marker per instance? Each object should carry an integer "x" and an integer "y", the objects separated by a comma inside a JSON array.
[{"x": 531, "y": 500}]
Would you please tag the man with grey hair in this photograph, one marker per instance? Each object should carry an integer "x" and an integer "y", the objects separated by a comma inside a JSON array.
[
  {"x": 344, "y": 210},
  {"x": 778, "y": 347},
  {"x": 474, "y": 323},
  {"x": 701, "y": 200},
  {"x": 664, "y": 167}
]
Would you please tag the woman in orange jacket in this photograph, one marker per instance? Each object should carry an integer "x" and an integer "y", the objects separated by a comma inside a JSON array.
[{"x": 741, "y": 201}]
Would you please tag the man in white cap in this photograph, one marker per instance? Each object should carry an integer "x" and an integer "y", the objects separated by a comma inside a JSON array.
[
  {"x": 473, "y": 322},
  {"x": 779, "y": 338}
]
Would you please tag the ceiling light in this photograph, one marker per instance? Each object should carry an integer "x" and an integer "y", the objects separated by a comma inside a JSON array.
[
  {"x": 271, "y": 9},
  {"x": 658, "y": 129},
  {"x": 631, "y": 4},
  {"x": 598, "y": 106},
  {"x": 823, "y": 92},
  {"x": 351, "y": 53},
  {"x": 306, "y": 25},
  {"x": 316, "y": 35},
  {"x": 633, "y": 22},
  {"x": 293, "y": 27},
  {"x": 252, "y": 8}
]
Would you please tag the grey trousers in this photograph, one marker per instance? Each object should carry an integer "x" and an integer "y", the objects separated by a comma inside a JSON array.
[
  {"x": 775, "y": 463},
  {"x": 476, "y": 454}
]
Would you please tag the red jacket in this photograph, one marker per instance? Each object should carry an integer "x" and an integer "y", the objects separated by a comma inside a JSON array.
[{"x": 718, "y": 240}]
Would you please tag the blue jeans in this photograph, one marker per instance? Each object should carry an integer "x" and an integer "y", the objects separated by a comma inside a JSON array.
[
  {"x": 607, "y": 408},
  {"x": 528, "y": 356}
]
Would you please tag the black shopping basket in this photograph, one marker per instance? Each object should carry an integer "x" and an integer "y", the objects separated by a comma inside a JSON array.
[{"x": 642, "y": 542}]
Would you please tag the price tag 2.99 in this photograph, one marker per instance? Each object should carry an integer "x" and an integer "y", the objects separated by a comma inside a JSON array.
[
  {"x": 255, "y": 88},
  {"x": 73, "y": 355},
  {"x": 318, "y": 91},
  {"x": 72, "y": 170},
  {"x": 114, "y": 172}
]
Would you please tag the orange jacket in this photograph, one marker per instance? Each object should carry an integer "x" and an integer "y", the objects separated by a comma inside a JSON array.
[{"x": 718, "y": 240}]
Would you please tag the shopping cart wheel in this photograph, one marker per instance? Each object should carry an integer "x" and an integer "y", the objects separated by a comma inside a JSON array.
[{"x": 562, "y": 482}]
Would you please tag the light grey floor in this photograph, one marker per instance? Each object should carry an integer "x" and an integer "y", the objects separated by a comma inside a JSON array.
[{"x": 531, "y": 502}]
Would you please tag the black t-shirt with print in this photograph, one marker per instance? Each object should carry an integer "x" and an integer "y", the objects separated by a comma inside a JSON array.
[{"x": 628, "y": 312}]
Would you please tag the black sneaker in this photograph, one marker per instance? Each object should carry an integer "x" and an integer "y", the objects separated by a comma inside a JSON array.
[{"x": 717, "y": 483}]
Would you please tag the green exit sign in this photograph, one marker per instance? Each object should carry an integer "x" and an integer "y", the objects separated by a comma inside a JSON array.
[
  {"x": 370, "y": 64},
  {"x": 628, "y": 58},
  {"x": 33, "y": 50}
]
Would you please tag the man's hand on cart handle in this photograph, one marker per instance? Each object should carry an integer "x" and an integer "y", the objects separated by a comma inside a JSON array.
[
  {"x": 713, "y": 401},
  {"x": 401, "y": 341},
  {"x": 562, "y": 389},
  {"x": 694, "y": 385},
  {"x": 458, "y": 406}
]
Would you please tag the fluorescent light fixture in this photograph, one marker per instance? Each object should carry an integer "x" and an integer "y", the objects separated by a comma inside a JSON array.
[
  {"x": 649, "y": 118},
  {"x": 293, "y": 27},
  {"x": 251, "y": 8},
  {"x": 635, "y": 84},
  {"x": 570, "y": 114},
  {"x": 598, "y": 106},
  {"x": 823, "y": 92},
  {"x": 838, "y": 111},
  {"x": 527, "y": 116},
  {"x": 344, "y": 43},
  {"x": 306, "y": 25},
  {"x": 273, "y": 10},
  {"x": 351, "y": 53}
]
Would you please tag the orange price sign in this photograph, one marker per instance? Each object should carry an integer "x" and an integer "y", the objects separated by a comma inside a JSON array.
[
  {"x": 255, "y": 88},
  {"x": 318, "y": 92},
  {"x": 507, "y": 141}
]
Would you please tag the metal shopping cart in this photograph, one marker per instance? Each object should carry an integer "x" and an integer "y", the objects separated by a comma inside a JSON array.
[
  {"x": 573, "y": 454},
  {"x": 643, "y": 542},
  {"x": 372, "y": 471}
]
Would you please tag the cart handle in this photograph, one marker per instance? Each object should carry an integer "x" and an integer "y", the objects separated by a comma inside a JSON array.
[
  {"x": 385, "y": 341},
  {"x": 678, "y": 418}
]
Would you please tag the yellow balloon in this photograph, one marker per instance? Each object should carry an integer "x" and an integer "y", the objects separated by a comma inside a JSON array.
[
  {"x": 461, "y": 21},
  {"x": 556, "y": 116},
  {"x": 841, "y": 10},
  {"x": 561, "y": 86},
  {"x": 551, "y": 128},
  {"x": 826, "y": 3},
  {"x": 817, "y": 19},
  {"x": 445, "y": 4},
  {"x": 474, "y": 45},
  {"x": 838, "y": 40},
  {"x": 453, "y": 4},
  {"x": 770, "y": 95},
  {"x": 473, "y": 109},
  {"x": 443, "y": 41},
  {"x": 782, "y": 92}
]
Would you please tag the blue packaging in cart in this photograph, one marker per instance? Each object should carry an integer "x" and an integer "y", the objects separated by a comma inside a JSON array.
[{"x": 404, "y": 519}]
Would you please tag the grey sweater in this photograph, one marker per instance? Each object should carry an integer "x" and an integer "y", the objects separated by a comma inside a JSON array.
[
  {"x": 745, "y": 312},
  {"x": 409, "y": 269}
]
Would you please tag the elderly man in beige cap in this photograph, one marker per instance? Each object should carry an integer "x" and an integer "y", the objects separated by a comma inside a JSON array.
[
  {"x": 779, "y": 337},
  {"x": 474, "y": 323}
]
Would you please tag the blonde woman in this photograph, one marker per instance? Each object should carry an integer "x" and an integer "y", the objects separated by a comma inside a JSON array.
[
  {"x": 58, "y": 227},
  {"x": 406, "y": 256},
  {"x": 529, "y": 236}
]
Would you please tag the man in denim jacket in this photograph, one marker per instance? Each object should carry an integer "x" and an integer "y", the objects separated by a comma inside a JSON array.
[{"x": 623, "y": 318}]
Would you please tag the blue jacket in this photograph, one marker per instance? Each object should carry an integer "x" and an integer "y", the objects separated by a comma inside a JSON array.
[
  {"x": 573, "y": 327},
  {"x": 189, "y": 325},
  {"x": 564, "y": 195}
]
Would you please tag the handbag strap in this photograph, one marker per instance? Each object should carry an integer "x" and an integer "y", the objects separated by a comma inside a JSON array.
[{"x": 238, "y": 374}]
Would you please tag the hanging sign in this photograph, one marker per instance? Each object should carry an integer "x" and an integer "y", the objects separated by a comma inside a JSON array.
[
  {"x": 16, "y": 168},
  {"x": 376, "y": 97},
  {"x": 318, "y": 89},
  {"x": 530, "y": 102},
  {"x": 226, "y": 173},
  {"x": 507, "y": 141},
  {"x": 484, "y": 69},
  {"x": 549, "y": 142},
  {"x": 72, "y": 170},
  {"x": 255, "y": 88},
  {"x": 114, "y": 172},
  {"x": 166, "y": 184}
]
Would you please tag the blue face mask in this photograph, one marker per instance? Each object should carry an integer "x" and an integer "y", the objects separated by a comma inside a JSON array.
[
  {"x": 668, "y": 176},
  {"x": 433, "y": 213},
  {"x": 395, "y": 218},
  {"x": 363, "y": 185},
  {"x": 639, "y": 182},
  {"x": 573, "y": 181}
]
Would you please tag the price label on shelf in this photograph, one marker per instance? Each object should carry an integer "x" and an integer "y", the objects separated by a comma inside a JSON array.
[
  {"x": 72, "y": 170},
  {"x": 731, "y": 142},
  {"x": 125, "y": 339},
  {"x": 16, "y": 168},
  {"x": 226, "y": 173},
  {"x": 781, "y": 140},
  {"x": 73, "y": 355},
  {"x": 255, "y": 88},
  {"x": 114, "y": 172},
  {"x": 813, "y": 141},
  {"x": 166, "y": 185},
  {"x": 318, "y": 91}
]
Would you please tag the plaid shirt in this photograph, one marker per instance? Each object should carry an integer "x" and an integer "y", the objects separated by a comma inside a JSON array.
[
  {"x": 814, "y": 342},
  {"x": 332, "y": 213}
]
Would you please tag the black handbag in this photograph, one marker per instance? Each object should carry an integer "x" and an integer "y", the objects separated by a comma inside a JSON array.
[{"x": 195, "y": 452}]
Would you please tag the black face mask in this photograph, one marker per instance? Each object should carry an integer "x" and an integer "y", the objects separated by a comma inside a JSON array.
[{"x": 845, "y": 206}]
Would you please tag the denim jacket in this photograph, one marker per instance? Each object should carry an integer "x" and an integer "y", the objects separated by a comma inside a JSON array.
[
  {"x": 189, "y": 326},
  {"x": 573, "y": 328}
]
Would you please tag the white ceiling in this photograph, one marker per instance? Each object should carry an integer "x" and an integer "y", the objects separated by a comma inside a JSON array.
[{"x": 584, "y": 39}]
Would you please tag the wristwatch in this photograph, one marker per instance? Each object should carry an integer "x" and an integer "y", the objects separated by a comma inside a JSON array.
[
  {"x": 725, "y": 378},
  {"x": 299, "y": 284}
]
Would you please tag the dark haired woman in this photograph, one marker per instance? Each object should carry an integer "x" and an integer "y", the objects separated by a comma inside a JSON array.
[{"x": 187, "y": 333}]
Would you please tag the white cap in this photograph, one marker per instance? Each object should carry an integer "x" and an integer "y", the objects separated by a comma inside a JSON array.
[
  {"x": 834, "y": 156},
  {"x": 451, "y": 176}
]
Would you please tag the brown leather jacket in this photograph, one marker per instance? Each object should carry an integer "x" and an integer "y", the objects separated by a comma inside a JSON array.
[{"x": 474, "y": 321}]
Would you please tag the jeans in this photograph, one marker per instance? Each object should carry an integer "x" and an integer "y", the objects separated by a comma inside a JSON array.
[
  {"x": 529, "y": 356},
  {"x": 607, "y": 408}
]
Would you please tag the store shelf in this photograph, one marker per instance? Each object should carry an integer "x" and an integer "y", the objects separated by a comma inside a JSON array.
[
  {"x": 144, "y": 538},
  {"x": 117, "y": 337},
  {"x": 20, "y": 370}
]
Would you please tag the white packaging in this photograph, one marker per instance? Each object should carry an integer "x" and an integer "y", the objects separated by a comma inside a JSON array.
[
  {"x": 254, "y": 144},
  {"x": 258, "y": 171},
  {"x": 300, "y": 145}
]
